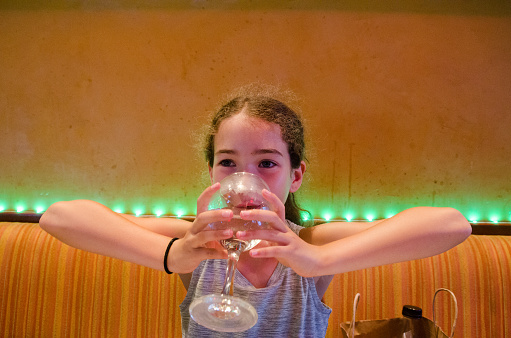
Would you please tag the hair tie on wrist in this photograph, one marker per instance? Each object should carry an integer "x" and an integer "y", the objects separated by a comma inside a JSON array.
[{"x": 167, "y": 255}]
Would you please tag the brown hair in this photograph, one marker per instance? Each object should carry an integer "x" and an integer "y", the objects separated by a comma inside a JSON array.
[{"x": 273, "y": 111}]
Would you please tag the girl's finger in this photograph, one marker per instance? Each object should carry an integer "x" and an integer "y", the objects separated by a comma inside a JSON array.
[
  {"x": 205, "y": 197},
  {"x": 275, "y": 204},
  {"x": 265, "y": 216},
  {"x": 205, "y": 218},
  {"x": 267, "y": 252},
  {"x": 273, "y": 236},
  {"x": 212, "y": 236}
]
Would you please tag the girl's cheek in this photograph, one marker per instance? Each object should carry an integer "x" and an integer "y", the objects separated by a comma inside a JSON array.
[{"x": 219, "y": 173}]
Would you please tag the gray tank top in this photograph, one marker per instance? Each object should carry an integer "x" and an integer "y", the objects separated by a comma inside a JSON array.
[{"x": 289, "y": 306}]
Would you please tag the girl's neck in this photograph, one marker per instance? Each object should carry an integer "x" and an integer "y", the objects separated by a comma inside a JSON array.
[{"x": 257, "y": 271}]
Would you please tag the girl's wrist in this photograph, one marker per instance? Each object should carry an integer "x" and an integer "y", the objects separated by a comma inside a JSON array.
[
  {"x": 324, "y": 260},
  {"x": 317, "y": 262},
  {"x": 165, "y": 257}
]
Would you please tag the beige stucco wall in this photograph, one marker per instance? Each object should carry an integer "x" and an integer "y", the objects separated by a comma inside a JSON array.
[{"x": 404, "y": 107}]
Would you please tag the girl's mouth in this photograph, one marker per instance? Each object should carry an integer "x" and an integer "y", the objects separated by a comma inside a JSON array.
[{"x": 249, "y": 206}]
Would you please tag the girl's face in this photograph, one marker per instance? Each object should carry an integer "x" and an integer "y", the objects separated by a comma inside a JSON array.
[{"x": 245, "y": 143}]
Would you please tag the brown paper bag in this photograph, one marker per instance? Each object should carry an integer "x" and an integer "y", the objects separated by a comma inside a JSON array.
[{"x": 396, "y": 327}]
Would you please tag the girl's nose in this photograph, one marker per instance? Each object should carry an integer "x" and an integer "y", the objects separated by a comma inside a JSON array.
[{"x": 247, "y": 169}]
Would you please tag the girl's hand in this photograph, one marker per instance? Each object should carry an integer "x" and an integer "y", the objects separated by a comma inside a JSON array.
[
  {"x": 200, "y": 243},
  {"x": 284, "y": 244}
]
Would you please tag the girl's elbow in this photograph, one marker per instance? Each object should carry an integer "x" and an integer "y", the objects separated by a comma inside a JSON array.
[
  {"x": 460, "y": 226},
  {"x": 53, "y": 219},
  {"x": 49, "y": 219}
]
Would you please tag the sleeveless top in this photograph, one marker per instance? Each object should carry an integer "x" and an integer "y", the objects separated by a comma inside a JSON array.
[{"x": 289, "y": 306}]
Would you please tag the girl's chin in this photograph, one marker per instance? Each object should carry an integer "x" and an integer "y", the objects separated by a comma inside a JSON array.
[{"x": 261, "y": 244}]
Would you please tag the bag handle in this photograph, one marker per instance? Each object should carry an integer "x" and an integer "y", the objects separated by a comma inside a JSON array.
[
  {"x": 455, "y": 313},
  {"x": 351, "y": 331}
]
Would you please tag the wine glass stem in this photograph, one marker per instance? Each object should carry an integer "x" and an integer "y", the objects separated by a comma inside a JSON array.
[{"x": 234, "y": 256}]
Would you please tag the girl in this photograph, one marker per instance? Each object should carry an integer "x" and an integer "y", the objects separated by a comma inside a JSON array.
[{"x": 286, "y": 275}]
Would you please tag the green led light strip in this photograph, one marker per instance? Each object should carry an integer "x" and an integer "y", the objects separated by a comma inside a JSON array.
[{"x": 140, "y": 211}]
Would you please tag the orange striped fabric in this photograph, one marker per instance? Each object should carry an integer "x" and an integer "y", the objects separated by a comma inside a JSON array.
[
  {"x": 50, "y": 289},
  {"x": 478, "y": 271}
]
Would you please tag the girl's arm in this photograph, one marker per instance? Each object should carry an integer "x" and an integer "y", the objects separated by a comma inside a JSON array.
[
  {"x": 333, "y": 248},
  {"x": 92, "y": 227},
  {"x": 412, "y": 234}
]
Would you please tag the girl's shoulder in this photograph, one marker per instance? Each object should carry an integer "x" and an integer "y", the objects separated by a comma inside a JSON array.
[{"x": 294, "y": 227}]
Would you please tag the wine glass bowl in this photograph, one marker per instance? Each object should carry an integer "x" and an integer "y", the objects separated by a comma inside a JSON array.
[
  {"x": 239, "y": 191},
  {"x": 225, "y": 312}
]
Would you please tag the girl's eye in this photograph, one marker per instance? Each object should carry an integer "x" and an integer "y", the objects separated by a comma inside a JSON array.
[
  {"x": 267, "y": 164},
  {"x": 226, "y": 163}
]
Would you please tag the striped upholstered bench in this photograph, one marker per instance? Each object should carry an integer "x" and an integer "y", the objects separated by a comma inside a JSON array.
[{"x": 48, "y": 289}]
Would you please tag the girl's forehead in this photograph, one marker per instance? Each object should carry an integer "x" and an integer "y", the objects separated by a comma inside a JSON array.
[
  {"x": 244, "y": 121},
  {"x": 247, "y": 129}
]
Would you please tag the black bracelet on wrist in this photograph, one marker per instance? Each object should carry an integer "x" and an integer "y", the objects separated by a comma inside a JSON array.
[{"x": 167, "y": 255}]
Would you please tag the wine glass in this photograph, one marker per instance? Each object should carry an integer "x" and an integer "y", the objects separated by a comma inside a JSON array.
[{"x": 224, "y": 312}]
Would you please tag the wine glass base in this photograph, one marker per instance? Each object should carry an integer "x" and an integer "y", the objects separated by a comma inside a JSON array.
[{"x": 223, "y": 313}]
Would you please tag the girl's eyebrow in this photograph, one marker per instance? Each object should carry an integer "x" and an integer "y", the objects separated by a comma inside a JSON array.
[
  {"x": 256, "y": 152},
  {"x": 267, "y": 151},
  {"x": 225, "y": 151}
]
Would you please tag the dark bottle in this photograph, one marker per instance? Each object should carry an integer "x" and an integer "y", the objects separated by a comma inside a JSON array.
[
  {"x": 419, "y": 326},
  {"x": 411, "y": 311}
]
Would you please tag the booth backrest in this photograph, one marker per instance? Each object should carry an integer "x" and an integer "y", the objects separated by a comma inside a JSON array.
[{"x": 50, "y": 289}]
